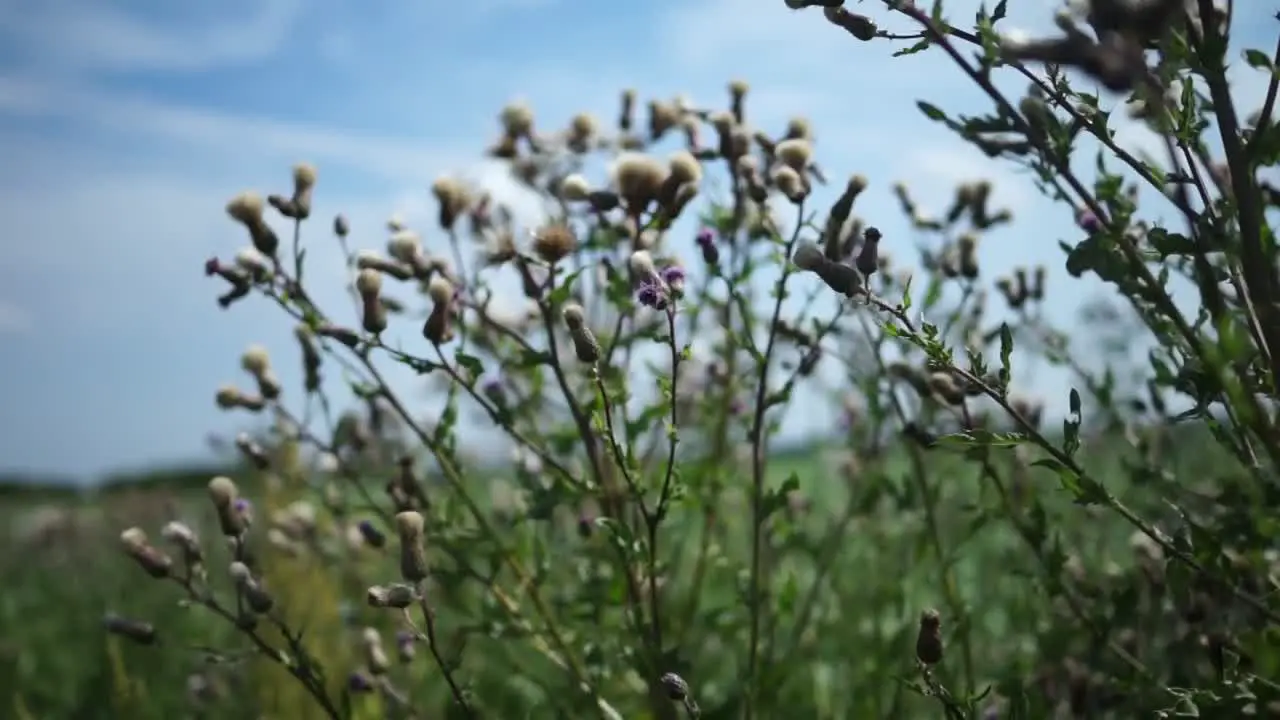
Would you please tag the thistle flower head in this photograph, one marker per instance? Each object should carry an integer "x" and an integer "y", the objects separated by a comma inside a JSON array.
[
  {"x": 584, "y": 341},
  {"x": 929, "y": 638},
  {"x": 573, "y": 315},
  {"x": 256, "y": 361},
  {"x": 413, "y": 559},
  {"x": 554, "y": 242},
  {"x": 405, "y": 246},
  {"x": 790, "y": 183},
  {"x": 651, "y": 294},
  {"x": 516, "y": 120},
  {"x": 575, "y": 188},
  {"x": 799, "y": 128},
  {"x": 808, "y": 257},
  {"x": 453, "y": 199},
  {"x": 638, "y": 178},
  {"x": 642, "y": 265},
  {"x": 247, "y": 208},
  {"x": 795, "y": 154},
  {"x": 225, "y": 496},
  {"x": 369, "y": 283},
  {"x": 137, "y": 546},
  {"x": 684, "y": 168},
  {"x": 396, "y": 595},
  {"x": 304, "y": 177},
  {"x": 440, "y": 290}
]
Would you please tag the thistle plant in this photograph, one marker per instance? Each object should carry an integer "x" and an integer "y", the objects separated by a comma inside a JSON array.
[{"x": 642, "y": 545}]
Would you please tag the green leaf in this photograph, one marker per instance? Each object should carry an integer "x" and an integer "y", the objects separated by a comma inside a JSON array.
[
  {"x": 471, "y": 363},
  {"x": 922, "y": 45},
  {"x": 933, "y": 112},
  {"x": 1258, "y": 60},
  {"x": 776, "y": 498},
  {"x": 564, "y": 289},
  {"x": 1084, "y": 489}
]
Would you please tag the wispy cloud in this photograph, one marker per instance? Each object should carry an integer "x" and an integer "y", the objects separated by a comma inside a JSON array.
[
  {"x": 125, "y": 127},
  {"x": 102, "y": 37}
]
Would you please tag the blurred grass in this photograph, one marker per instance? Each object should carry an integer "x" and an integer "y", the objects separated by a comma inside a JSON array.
[{"x": 62, "y": 571}]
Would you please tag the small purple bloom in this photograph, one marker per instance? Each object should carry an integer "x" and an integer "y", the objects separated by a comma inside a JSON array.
[
  {"x": 371, "y": 534},
  {"x": 705, "y": 237},
  {"x": 736, "y": 406},
  {"x": 244, "y": 508},
  {"x": 651, "y": 295},
  {"x": 673, "y": 274},
  {"x": 1088, "y": 221},
  {"x": 358, "y": 682}
]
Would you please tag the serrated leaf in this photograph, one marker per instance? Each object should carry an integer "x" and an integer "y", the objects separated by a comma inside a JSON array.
[
  {"x": 564, "y": 289},
  {"x": 776, "y": 498},
  {"x": 1084, "y": 489},
  {"x": 470, "y": 363}
]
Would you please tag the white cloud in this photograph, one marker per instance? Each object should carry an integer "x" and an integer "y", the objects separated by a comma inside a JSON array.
[{"x": 95, "y": 36}]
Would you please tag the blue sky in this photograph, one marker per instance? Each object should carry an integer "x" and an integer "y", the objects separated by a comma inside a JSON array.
[{"x": 126, "y": 124}]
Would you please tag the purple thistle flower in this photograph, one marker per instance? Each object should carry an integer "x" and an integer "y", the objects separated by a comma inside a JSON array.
[
  {"x": 673, "y": 274},
  {"x": 705, "y": 237},
  {"x": 358, "y": 682},
  {"x": 1088, "y": 221},
  {"x": 244, "y": 508},
  {"x": 371, "y": 534},
  {"x": 650, "y": 294}
]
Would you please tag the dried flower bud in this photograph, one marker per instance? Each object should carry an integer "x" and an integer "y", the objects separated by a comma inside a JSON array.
[
  {"x": 554, "y": 242},
  {"x": 140, "y": 632},
  {"x": 639, "y": 180},
  {"x": 304, "y": 181},
  {"x": 371, "y": 534},
  {"x": 859, "y": 26},
  {"x": 662, "y": 117},
  {"x": 575, "y": 188},
  {"x": 868, "y": 260},
  {"x": 929, "y": 638},
  {"x": 396, "y": 595},
  {"x": 341, "y": 226},
  {"x": 737, "y": 100},
  {"x": 405, "y": 246},
  {"x": 406, "y": 646},
  {"x": 794, "y": 154},
  {"x": 584, "y": 341},
  {"x": 413, "y": 556},
  {"x": 149, "y": 558},
  {"x": 185, "y": 539},
  {"x": 516, "y": 120},
  {"x": 247, "y": 209},
  {"x": 224, "y": 494},
  {"x": 808, "y": 257},
  {"x": 583, "y": 129},
  {"x": 255, "y": 596},
  {"x": 677, "y": 689},
  {"x": 844, "y": 279},
  {"x": 791, "y": 184},
  {"x": 375, "y": 657},
  {"x": 453, "y": 198}
]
